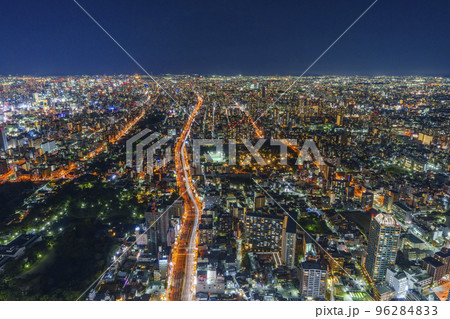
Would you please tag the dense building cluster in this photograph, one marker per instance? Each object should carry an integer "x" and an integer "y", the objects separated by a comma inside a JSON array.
[{"x": 364, "y": 215}]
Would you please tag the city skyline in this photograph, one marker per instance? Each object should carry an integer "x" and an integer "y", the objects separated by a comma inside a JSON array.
[{"x": 205, "y": 183}]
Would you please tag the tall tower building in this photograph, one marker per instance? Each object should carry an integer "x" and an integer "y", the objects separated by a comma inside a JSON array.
[
  {"x": 157, "y": 222},
  {"x": 384, "y": 236}
]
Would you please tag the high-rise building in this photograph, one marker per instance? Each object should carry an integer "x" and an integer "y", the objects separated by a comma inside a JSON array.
[
  {"x": 3, "y": 140},
  {"x": 384, "y": 237},
  {"x": 340, "y": 187},
  {"x": 49, "y": 147},
  {"x": 260, "y": 201},
  {"x": 158, "y": 222},
  {"x": 388, "y": 201},
  {"x": 264, "y": 232},
  {"x": 313, "y": 279},
  {"x": 206, "y": 234},
  {"x": 350, "y": 192},
  {"x": 434, "y": 268},
  {"x": 444, "y": 257},
  {"x": 367, "y": 200},
  {"x": 289, "y": 240}
]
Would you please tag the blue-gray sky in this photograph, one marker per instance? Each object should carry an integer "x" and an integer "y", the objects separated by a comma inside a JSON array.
[{"x": 226, "y": 37}]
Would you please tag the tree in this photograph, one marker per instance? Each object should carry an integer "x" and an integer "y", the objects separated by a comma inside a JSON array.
[{"x": 246, "y": 261}]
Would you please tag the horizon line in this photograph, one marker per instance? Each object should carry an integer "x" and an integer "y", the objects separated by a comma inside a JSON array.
[{"x": 235, "y": 75}]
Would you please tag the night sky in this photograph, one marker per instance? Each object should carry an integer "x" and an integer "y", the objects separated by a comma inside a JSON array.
[{"x": 408, "y": 37}]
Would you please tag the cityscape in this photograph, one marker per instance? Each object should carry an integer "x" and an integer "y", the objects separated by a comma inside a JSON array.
[
  {"x": 86, "y": 217},
  {"x": 274, "y": 152}
]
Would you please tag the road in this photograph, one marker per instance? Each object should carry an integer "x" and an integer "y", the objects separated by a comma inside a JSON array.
[
  {"x": 68, "y": 171},
  {"x": 182, "y": 266},
  {"x": 189, "y": 273}
]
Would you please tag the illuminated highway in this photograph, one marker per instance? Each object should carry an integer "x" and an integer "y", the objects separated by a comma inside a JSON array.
[
  {"x": 188, "y": 287},
  {"x": 181, "y": 283}
]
